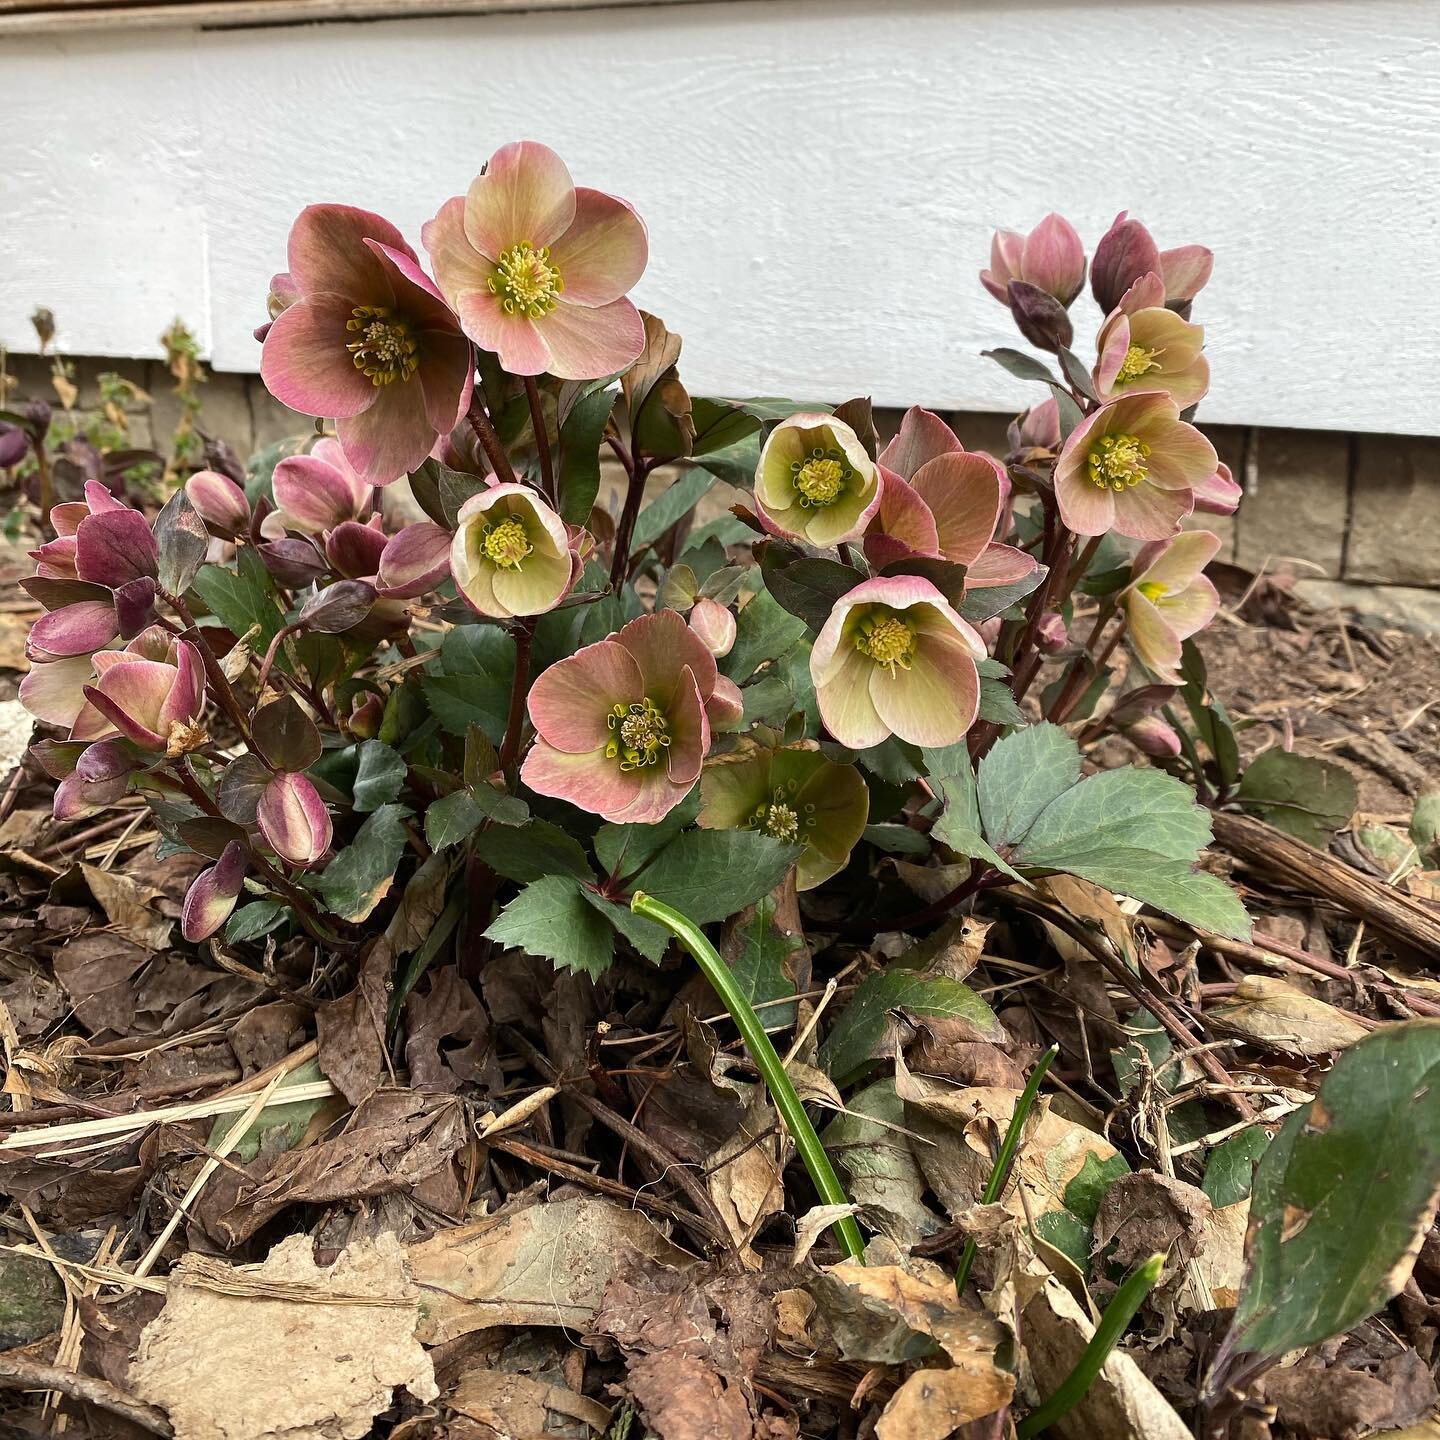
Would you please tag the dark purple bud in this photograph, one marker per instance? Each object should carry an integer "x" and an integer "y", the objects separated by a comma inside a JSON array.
[
  {"x": 115, "y": 548},
  {"x": 135, "y": 606},
  {"x": 1125, "y": 254},
  {"x": 354, "y": 550},
  {"x": 213, "y": 893},
  {"x": 338, "y": 607},
  {"x": 367, "y": 711},
  {"x": 295, "y": 563},
  {"x": 1039, "y": 316}
]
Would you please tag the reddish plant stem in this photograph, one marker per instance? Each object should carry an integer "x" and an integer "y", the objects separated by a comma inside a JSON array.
[
  {"x": 519, "y": 689},
  {"x": 981, "y": 877},
  {"x": 634, "y": 494},
  {"x": 271, "y": 652},
  {"x": 542, "y": 441},
  {"x": 1079, "y": 674},
  {"x": 489, "y": 441}
]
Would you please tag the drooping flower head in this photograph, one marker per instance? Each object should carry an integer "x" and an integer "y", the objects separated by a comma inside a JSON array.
[
  {"x": 1144, "y": 346},
  {"x": 512, "y": 554},
  {"x": 815, "y": 483},
  {"x": 538, "y": 269},
  {"x": 1220, "y": 493},
  {"x": 894, "y": 658},
  {"x": 943, "y": 501},
  {"x": 1129, "y": 466},
  {"x": 154, "y": 703},
  {"x": 621, "y": 725},
  {"x": 316, "y": 492},
  {"x": 715, "y": 624},
  {"x": 1050, "y": 257},
  {"x": 221, "y": 502},
  {"x": 368, "y": 342},
  {"x": 794, "y": 794},
  {"x": 1169, "y": 599},
  {"x": 213, "y": 893}
]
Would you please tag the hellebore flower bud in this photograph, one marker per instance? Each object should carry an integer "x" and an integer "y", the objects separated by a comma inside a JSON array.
[
  {"x": 715, "y": 626},
  {"x": 1152, "y": 736},
  {"x": 221, "y": 503},
  {"x": 213, "y": 893},
  {"x": 293, "y": 819},
  {"x": 152, "y": 702}
]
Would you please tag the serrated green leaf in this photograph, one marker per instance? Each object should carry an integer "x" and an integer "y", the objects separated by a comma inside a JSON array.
[
  {"x": 470, "y": 684},
  {"x": 252, "y": 921},
  {"x": 379, "y": 774},
  {"x": 896, "y": 839},
  {"x": 360, "y": 876},
  {"x": 708, "y": 875},
  {"x": 451, "y": 818},
  {"x": 552, "y": 919},
  {"x": 1020, "y": 776},
  {"x": 650, "y": 939},
  {"x": 764, "y": 630},
  {"x": 624, "y": 849},
  {"x": 1021, "y": 365},
  {"x": 1344, "y": 1195},
  {"x": 241, "y": 598},
  {"x": 987, "y": 601},
  {"x": 1302, "y": 795},
  {"x": 997, "y": 704},
  {"x": 858, "y": 1036},
  {"x": 808, "y": 587},
  {"x": 532, "y": 851}
]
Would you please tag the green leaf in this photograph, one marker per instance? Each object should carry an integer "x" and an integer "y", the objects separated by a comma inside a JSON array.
[
  {"x": 650, "y": 939},
  {"x": 756, "y": 950},
  {"x": 360, "y": 876},
  {"x": 293, "y": 1119},
  {"x": 1306, "y": 797},
  {"x": 997, "y": 704},
  {"x": 735, "y": 463},
  {"x": 625, "y": 849},
  {"x": 258, "y": 918},
  {"x": 858, "y": 1036},
  {"x": 1208, "y": 715},
  {"x": 808, "y": 587},
  {"x": 451, "y": 818},
  {"x": 1021, "y": 775},
  {"x": 671, "y": 506},
  {"x": 897, "y": 839},
  {"x": 1344, "y": 1195},
  {"x": 552, "y": 919},
  {"x": 708, "y": 875},
  {"x": 719, "y": 425},
  {"x": 1230, "y": 1166},
  {"x": 471, "y": 684},
  {"x": 984, "y": 603},
  {"x": 441, "y": 491},
  {"x": 379, "y": 774},
  {"x": 1425, "y": 827},
  {"x": 1021, "y": 365},
  {"x": 533, "y": 851},
  {"x": 241, "y": 598},
  {"x": 579, "y": 471},
  {"x": 763, "y": 631}
]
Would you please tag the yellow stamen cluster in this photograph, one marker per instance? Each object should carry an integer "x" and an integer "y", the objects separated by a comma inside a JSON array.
[
  {"x": 1118, "y": 461},
  {"x": 1152, "y": 589},
  {"x": 640, "y": 734},
  {"x": 821, "y": 477},
  {"x": 525, "y": 282},
  {"x": 505, "y": 543},
  {"x": 779, "y": 818},
  {"x": 1138, "y": 361},
  {"x": 888, "y": 641},
  {"x": 385, "y": 351}
]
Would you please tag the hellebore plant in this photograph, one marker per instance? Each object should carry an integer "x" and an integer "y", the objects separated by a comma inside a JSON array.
[{"x": 495, "y": 691}]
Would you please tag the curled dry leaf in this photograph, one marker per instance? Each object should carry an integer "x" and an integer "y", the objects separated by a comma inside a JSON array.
[
  {"x": 1275, "y": 1016},
  {"x": 319, "y": 1362},
  {"x": 513, "y": 1404},
  {"x": 933, "y": 1404}
]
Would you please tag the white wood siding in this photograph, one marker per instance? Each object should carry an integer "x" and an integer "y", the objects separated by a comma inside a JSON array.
[{"x": 820, "y": 179}]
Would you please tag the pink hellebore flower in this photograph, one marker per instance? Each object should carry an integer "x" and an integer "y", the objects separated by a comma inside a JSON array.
[
  {"x": 1128, "y": 253},
  {"x": 368, "y": 342},
  {"x": 1168, "y": 599},
  {"x": 1218, "y": 494},
  {"x": 621, "y": 725},
  {"x": 943, "y": 501},
  {"x": 815, "y": 483},
  {"x": 1129, "y": 467},
  {"x": 152, "y": 702},
  {"x": 55, "y": 560},
  {"x": 512, "y": 554},
  {"x": 538, "y": 269},
  {"x": 213, "y": 893},
  {"x": 895, "y": 659},
  {"x": 1144, "y": 346},
  {"x": 1050, "y": 257},
  {"x": 317, "y": 492},
  {"x": 293, "y": 819}
]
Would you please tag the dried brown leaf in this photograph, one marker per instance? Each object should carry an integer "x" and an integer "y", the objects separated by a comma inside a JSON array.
[{"x": 1275, "y": 1016}]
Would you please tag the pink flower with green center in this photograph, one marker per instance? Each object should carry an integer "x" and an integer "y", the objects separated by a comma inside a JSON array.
[
  {"x": 621, "y": 728},
  {"x": 538, "y": 269},
  {"x": 1169, "y": 599},
  {"x": 1144, "y": 346},
  {"x": 943, "y": 501},
  {"x": 368, "y": 342},
  {"x": 1130, "y": 467},
  {"x": 894, "y": 658},
  {"x": 512, "y": 554},
  {"x": 1050, "y": 257},
  {"x": 54, "y": 690},
  {"x": 154, "y": 703},
  {"x": 795, "y": 795},
  {"x": 815, "y": 483}
]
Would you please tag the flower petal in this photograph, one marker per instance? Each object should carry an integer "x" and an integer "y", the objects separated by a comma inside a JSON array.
[
  {"x": 845, "y": 703},
  {"x": 964, "y": 492},
  {"x": 525, "y": 195},
  {"x": 922, "y": 436},
  {"x": 664, "y": 646},
  {"x": 1146, "y": 512},
  {"x": 586, "y": 344},
  {"x": 592, "y": 780},
  {"x": 1157, "y": 645},
  {"x": 689, "y": 733},
  {"x": 327, "y": 250},
  {"x": 999, "y": 565},
  {"x": 55, "y": 692},
  {"x": 392, "y": 437},
  {"x": 514, "y": 339},
  {"x": 315, "y": 496},
  {"x": 935, "y": 701},
  {"x": 305, "y": 364},
  {"x": 570, "y": 702},
  {"x": 603, "y": 253},
  {"x": 1084, "y": 506}
]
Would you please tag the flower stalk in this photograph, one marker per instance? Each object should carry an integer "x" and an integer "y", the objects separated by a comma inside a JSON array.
[{"x": 767, "y": 1061}]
